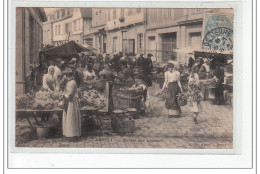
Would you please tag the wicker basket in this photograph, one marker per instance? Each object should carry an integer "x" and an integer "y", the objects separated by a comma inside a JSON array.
[{"x": 123, "y": 102}]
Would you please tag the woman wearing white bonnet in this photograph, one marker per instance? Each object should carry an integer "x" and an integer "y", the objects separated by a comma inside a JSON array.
[{"x": 49, "y": 80}]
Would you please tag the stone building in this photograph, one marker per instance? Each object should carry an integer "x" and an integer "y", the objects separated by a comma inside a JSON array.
[
  {"x": 175, "y": 29},
  {"x": 118, "y": 30},
  {"x": 66, "y": 24},
  {"x": 29, "y": 42}
]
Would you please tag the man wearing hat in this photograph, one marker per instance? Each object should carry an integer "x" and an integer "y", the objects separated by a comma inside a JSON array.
[
  {"x": 218, "y": 74},
  {"x": 76, "y": 74}
]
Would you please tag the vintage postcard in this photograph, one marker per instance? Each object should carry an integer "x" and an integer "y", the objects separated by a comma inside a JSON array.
[{"x": 124, "y": 78}]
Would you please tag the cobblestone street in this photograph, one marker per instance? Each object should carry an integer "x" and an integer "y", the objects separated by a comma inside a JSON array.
[{"x": 214, "y": 131}]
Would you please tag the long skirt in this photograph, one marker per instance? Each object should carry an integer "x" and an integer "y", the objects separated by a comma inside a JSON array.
[
  {"x": 171, "y": 99},
  {"x": 71, "y": 120}
]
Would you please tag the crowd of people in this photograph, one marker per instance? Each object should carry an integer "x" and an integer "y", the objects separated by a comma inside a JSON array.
[
  {"x": 129, "y": 71},
  {"x": 200, "y": 69},
  {"x": 86, "y": 70}
]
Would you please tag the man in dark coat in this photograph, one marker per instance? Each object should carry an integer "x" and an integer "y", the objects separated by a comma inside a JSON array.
[{"x": 219, "y": 77}]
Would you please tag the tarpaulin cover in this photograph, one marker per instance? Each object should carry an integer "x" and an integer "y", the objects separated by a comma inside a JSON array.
[{"x": 66, "y": 50}]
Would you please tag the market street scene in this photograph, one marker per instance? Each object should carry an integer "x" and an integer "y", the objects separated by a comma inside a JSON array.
[{"x": 124, "y": 78}]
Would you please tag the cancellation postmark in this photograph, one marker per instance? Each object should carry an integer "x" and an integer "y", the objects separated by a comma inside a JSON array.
[{"x": 218, "y": 39}]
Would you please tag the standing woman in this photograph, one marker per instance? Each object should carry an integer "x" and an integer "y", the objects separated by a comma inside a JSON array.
[
  {"x": 173, "y": 85},
  {"x": 194, "y": 95},
  {"x": 71, "y": 121}
]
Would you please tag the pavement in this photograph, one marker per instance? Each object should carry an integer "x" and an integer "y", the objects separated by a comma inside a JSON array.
[{"x": 214, "y": 131}]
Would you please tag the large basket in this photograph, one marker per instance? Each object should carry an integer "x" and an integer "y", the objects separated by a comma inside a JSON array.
[{"x": 123, "y": 102}]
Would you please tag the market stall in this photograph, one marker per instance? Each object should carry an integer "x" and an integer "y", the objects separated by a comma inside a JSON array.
[{"x": 226, "y": 59}]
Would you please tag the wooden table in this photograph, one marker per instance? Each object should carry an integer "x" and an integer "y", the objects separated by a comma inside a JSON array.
[
  {"x": 89, "y": 111},
  {"x": 34, "y": 113}
]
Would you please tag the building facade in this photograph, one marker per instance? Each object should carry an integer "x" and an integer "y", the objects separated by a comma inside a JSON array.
[
  {"x": 175, "y": 29},
  {"x": 29, "y": 42},
  {"x": 118, "y": 30},
  {"x": 66, "y": 24}
]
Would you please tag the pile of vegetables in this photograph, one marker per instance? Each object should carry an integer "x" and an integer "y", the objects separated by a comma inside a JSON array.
[{"x": 91, "y": 98}]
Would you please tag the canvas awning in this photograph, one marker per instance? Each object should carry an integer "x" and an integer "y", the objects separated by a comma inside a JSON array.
[{"x": 69, "y": 49}]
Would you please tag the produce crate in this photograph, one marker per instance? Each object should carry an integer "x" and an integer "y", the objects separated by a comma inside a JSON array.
[{"x": 122, "y": 125}]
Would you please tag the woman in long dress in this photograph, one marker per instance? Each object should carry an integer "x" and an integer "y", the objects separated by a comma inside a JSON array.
[
  {"x": 194, "y": 95},
  {"x": 173, "y": 85},
  {"x": 71, "y": 122}
]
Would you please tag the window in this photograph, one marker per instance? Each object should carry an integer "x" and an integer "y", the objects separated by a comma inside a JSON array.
[
  {"x": 169, "y": 13},
  {"x": 66, "y": 28},
  {"x": 114, "y": 44},
  {"x": 124, "y": 35},
  {"x": 130, "y": 12},
  {"x": 195, "y": 39},
  {"x": 69, "y": 12},
  {"x": 63, "y": 13},
  {"x": 58, "y": 15},
  {"x": 108, "y": 14},
  {"x": 59, "y": 30},
  {"x": 75, "y": 25},
  {"x": 56, "y": 30},
  {"x": 138, "y": 10},
  {"x": 122, "y": 12},
  {"x": 140, "y": 42},
  {"x": 114, "y": 13}
]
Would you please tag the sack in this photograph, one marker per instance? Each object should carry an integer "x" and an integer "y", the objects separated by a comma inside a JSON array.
[{"x": 182, "y": 100}]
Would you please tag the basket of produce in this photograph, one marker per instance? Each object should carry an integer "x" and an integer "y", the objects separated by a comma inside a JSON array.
[
  {"x": 92, "y": 98},
  {"x": 99, "y": 85},
  {"x": 182, "y": 100},
  {"x": 24, "y": 102}
]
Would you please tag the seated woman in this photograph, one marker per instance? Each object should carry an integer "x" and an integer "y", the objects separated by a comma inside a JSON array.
[
  {"x": 89, "y": 75},
  {"x": 49, "y": 80}
]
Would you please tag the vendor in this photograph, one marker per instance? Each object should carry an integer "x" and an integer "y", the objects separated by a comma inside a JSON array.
[
  {"x": 89, "y": 75},
  {"x": 140, "y": 83},
  {"x": 108, "y": 75},
  {"x": 71, "y": 121},
  {"x": 127, "y": 75},
  {"x": 218, "y": 74},
  {"x": 204, "y": 70},
  {"x": 49, "y": 81}
]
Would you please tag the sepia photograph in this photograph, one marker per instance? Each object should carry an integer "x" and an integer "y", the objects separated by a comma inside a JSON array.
[{"x": 124, "y": 78}]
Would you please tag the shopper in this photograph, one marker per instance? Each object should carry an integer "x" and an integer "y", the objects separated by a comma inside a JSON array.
[
  {"x": 173, "y": 85},
  {"x": 71, "y": 120},
  {"x": 194, "y": 95}
]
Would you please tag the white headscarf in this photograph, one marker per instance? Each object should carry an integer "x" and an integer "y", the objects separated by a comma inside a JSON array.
[{"x": 49, "y": 69}]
